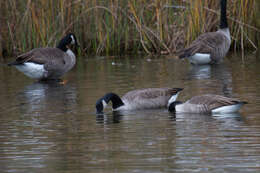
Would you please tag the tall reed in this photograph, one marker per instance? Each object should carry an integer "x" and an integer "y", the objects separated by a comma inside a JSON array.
[
  {"x": 204, "y": 17},
  {"x": 121, "y": 26}
]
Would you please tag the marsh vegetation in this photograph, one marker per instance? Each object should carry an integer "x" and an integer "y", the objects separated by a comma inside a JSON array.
[{"x": 122, "y": 27}]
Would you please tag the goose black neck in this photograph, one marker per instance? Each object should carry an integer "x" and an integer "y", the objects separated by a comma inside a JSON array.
[
  {"x": 103, "y": 101},
  {"x": 62, "y": 46},
  {"x": 223, "y": 15},
  {"x": 114, "y": 98},
  {"x": 172, "y": 106}
]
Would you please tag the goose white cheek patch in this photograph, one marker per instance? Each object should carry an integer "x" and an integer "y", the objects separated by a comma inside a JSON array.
[
  {"x": 172, "y": 99},
  {"x": 104, "y": 104}
]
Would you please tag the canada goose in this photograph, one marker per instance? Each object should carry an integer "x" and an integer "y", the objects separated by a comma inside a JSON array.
[
  {"x": 139, "y": 99},
  {"x": 211, "y": 47},
  {"x": 48, "y": 63},
  {"x": 207, "y": 104}
]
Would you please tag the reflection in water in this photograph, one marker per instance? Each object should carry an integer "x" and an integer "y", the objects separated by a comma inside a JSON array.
[
  {"x": 53, "y": 128},
  {"x": 41, "y": 125},
  {"x": 228, "y": 115},
  {"x": 223, "y": 74},
  {"x": 48, "y": 97},
  {"x": 172, "y": 116},
  {"x": 199, "y": 72},
  {"x": 106, "y": 118},
  {"x": 220, "y": 72},
  {"x": 236, "y": 116},
  {"x": 202, "y": 135},
  {"x": 118, "y": 116}
]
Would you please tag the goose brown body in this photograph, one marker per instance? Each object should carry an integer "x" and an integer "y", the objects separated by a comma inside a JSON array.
[
  {"x": 48, "y": 63},
  {"x": 208, "y": 103},
  {"x": 215, "y": 44},
  {"x": 55, "y": 61},
  {"x": 149, "y": 98},
  {"x": 211, "y": 47}
]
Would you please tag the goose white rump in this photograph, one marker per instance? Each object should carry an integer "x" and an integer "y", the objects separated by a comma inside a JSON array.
[
  {"x": 227, "y": 109},
  {"x": 199, "y": 59},
  {"x": 32, "y": 70}
]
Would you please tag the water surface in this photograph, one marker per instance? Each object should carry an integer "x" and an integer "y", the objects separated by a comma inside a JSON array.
[{"x": 53, "y": 127}]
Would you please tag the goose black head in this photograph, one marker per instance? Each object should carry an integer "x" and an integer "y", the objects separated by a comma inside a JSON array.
[
  {"x": 69, "y": 39},
  {"x": 100, "y": 105},
  {"x": 171, "y": 107},
  {"x": 102, "y": 102}
]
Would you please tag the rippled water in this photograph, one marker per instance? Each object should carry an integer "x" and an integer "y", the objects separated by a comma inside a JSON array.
[{"x": 53, "y": 127}]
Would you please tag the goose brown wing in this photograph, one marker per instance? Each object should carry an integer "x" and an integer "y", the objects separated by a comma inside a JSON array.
[
  {"x": 205, "y": 43},
  {"x": 41, "y": 56},
  {"x": 151, "y": 93},
  {"x": 213, "y": 101}
]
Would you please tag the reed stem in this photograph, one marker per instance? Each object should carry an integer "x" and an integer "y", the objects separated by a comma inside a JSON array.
[{"x": 123, "y": 27}]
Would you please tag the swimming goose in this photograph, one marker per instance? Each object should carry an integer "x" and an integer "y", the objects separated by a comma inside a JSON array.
[
  {"x": 208, "y": 103},
  {"x": 211, "y": 47},
  {"x": 139, "y": 99},
  {"x": 48, "y": 63}
]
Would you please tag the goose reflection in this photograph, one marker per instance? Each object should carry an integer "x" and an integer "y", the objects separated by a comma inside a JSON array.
[
  {"x": 109, "y": 119},
  {"x": 217, "y": 74},
  {"x": 199, "y": 72},
  {"x": 204, "y": 135},
  {"x": 230, "y": 117},
  {"x": 235, "y": 116},
  {"x": 222, "y": 73},
  {"x": 203, "y": 117},
  {"x": 48, "y": 97},
  {"x": 133, "y": 115}
]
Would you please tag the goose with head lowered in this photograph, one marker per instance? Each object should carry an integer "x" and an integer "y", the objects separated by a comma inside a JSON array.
[
  {"x": 48, "y": 63},
  {"x": 211, "y": 47},
  {"x": 149, "y": 98},
  {"x": 208, "y": 103}
]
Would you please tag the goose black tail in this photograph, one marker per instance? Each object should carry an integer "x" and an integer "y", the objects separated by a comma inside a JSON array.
[
  {"x": 241, "y": 102},
  {"x": 13, "y": 63},
  {"x": 183, "y": 54}
]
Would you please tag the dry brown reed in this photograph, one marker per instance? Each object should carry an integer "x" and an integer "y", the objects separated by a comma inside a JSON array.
[{"x": 122, "y": 27}]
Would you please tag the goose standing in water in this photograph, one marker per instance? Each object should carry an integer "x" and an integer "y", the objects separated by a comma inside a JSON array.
[
  {"x": 150, "y": 98},
  {"x": 48, "y": 63},
  {"x": 211, "y": 47},
  {"x": 209, "y": 103}
]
